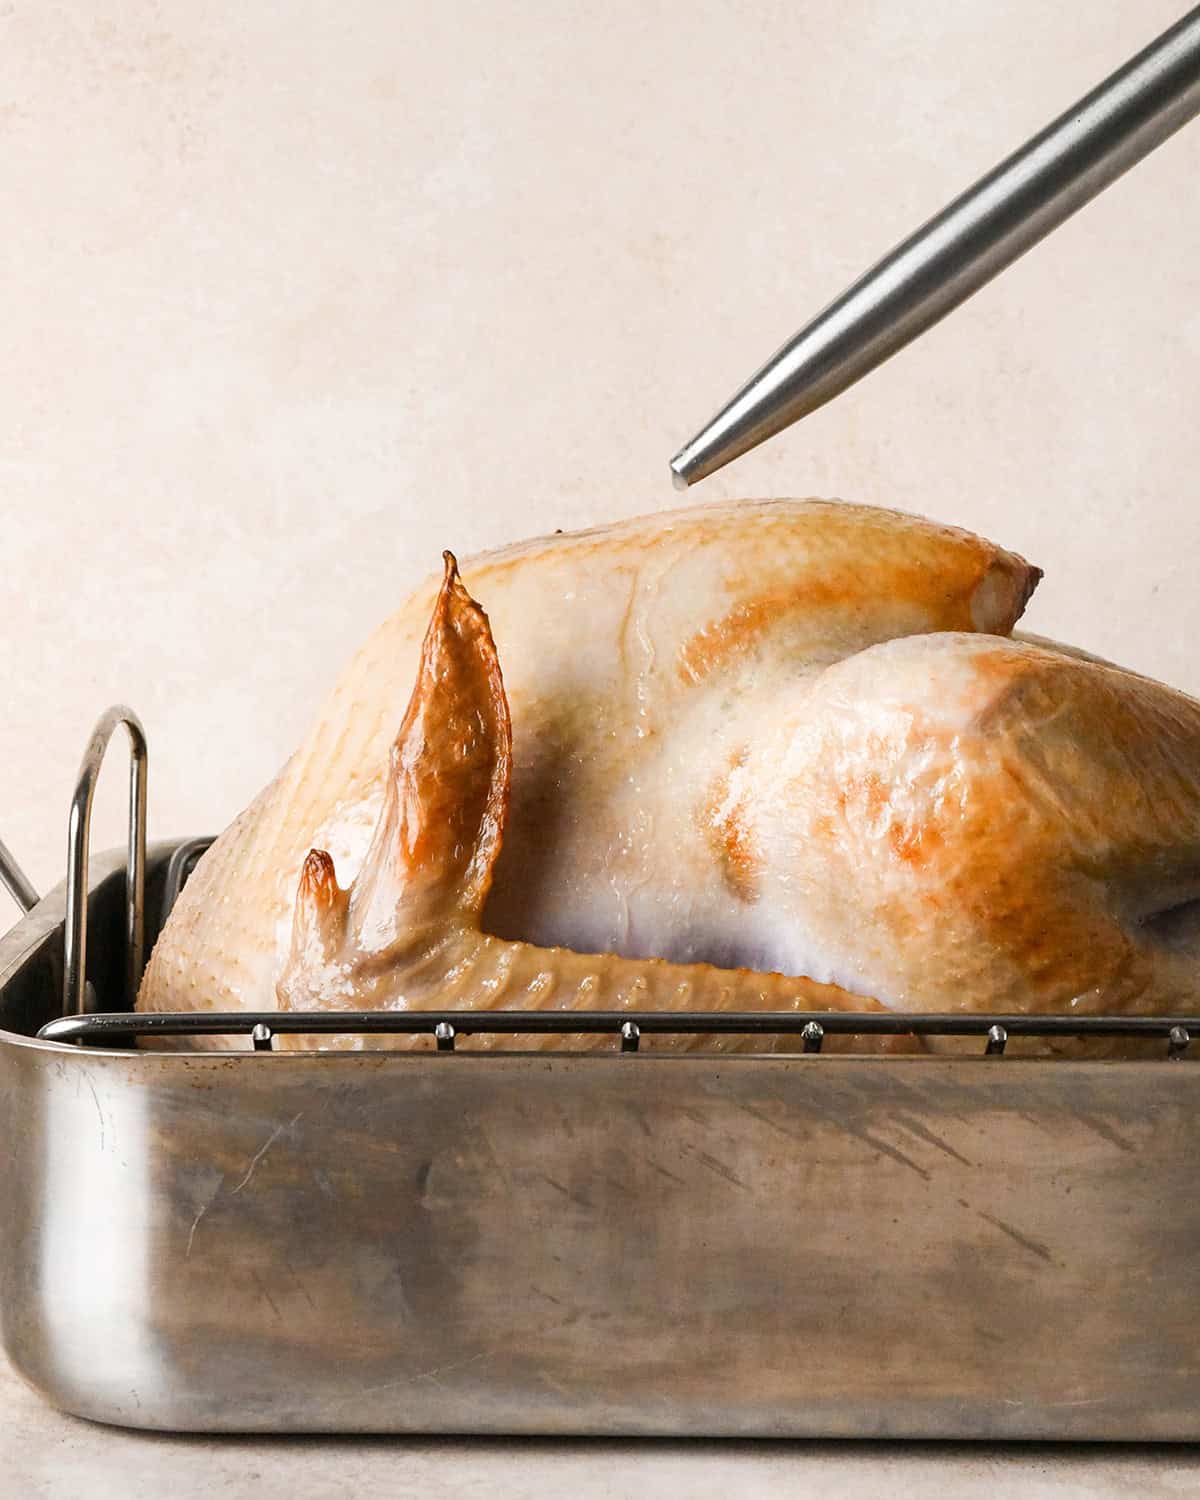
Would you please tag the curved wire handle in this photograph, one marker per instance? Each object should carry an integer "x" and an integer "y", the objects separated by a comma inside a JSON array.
[{"x": 79, "y": 833}]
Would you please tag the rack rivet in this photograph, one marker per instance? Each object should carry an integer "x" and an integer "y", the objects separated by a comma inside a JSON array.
[
  {"x": 444, "y": 1033},
  {"x": 631, "y": 1035},
  {"x": 997, "y": 1040},
  {"x": 812, "y": 1036},
  {"x": 261, "y": 1036},
  {"x": 1177, "y": 1041}
]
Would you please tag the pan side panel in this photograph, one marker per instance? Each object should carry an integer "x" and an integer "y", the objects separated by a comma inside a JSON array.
[{"x": 413, "y": 1243}]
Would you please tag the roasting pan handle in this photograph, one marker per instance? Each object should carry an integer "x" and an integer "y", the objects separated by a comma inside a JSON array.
[
  {"x": 75, "y": 933},
  {"x": 15, "y": 881}
]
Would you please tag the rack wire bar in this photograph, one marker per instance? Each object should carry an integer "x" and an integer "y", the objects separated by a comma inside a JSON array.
[
  {"x": 15, "y": 880},
  {"x": 446, "y": 1026}
]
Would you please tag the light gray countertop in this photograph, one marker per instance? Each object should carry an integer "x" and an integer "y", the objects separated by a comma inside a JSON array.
[{"x": 47, "y": 1456}]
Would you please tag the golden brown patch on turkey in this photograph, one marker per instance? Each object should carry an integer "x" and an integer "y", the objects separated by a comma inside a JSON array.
[
  {"x": 865, "y": 802},
  {"x": 939, "y": 582},
  {"x": 867, "y": 790},
  {"x": 735, "y": 633},
  {"x": 727, "y": 831},
  {"x": 914, "y": 843}
]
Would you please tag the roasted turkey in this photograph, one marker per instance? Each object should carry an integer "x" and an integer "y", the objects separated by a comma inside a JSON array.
[{"x": 766, "y": 755}]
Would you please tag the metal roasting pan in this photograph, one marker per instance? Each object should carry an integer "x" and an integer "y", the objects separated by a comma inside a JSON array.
[{"x": 606, "y": 1242}]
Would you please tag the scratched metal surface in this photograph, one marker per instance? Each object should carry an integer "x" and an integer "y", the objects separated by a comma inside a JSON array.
[{"x": 598, "y": 1244}]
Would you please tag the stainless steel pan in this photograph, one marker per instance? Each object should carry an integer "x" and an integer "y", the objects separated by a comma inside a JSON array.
[{"x": 448, "y": 1241}]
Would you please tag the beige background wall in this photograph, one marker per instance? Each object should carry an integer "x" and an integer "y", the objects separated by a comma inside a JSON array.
[{"x": 294, "y": 295}]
